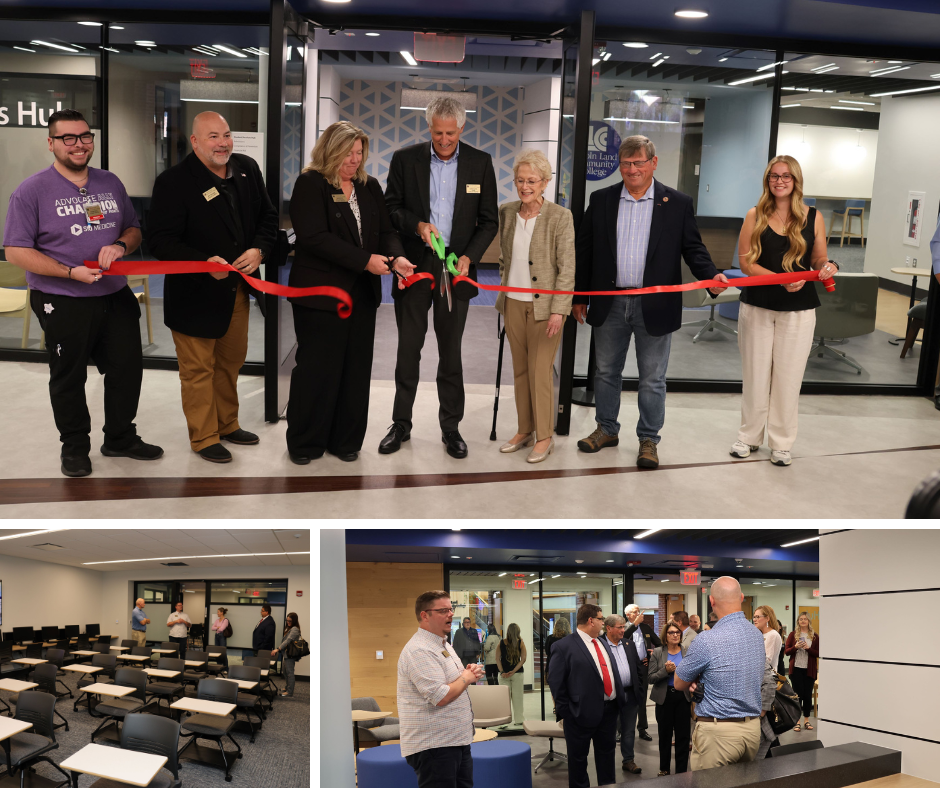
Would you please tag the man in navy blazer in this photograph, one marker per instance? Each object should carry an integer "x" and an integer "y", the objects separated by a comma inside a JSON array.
[
  {"x": 588, "y": 693},
  {"x": 627, "y": 662},
  {"x": 634, "y": 235}
]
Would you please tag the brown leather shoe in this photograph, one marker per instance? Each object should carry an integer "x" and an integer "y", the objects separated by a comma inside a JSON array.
[
  {"x": 630, "y": 766},
  {"x": 647, "y": 458},
  {"x": 597, "y": 440}
]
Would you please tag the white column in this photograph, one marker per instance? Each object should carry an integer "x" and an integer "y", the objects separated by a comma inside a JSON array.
[
  {"x": 263, "y": 61},
  {"x": 311, "y": 103},
  {"x": 329, "y": 97},
  {"x": 541, "y": 111},
  {"x": 335, "y": 701}
]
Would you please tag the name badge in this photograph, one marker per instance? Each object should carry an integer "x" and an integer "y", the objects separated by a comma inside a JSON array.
[
  {"x": 444, "y": 653},
  {"x": 211, "y": 194},
  {"x": 340, "y": 198},
  {"x": 473, "y": 188},
  {"x": 93, "y": 212}
]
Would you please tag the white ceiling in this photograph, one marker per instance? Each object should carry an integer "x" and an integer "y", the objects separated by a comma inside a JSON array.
[{"x": 82, "y": 545}]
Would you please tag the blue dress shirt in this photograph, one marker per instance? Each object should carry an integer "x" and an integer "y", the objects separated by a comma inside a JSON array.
[
  {"x": 443, "y": 192},
  {"x": 623, "y": 665},
  {"x": 634, "y": 218}
]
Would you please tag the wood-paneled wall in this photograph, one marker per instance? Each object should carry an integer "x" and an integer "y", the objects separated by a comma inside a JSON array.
[{"x": 381, "y": 604}]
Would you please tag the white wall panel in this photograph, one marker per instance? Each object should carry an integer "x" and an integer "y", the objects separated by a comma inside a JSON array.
[
  {"x": 878, "y": 560},
  {"x": 918, "y": 759}
]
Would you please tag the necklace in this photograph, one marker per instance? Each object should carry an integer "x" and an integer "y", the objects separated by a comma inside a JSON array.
[
  {"x": 526, "y": 218},
  {"x": 783, "y": 222}
]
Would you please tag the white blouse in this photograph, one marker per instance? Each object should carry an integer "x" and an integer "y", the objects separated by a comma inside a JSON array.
[{"x": 519, "y": 269}]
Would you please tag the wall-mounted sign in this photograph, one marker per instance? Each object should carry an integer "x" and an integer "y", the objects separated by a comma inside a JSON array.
[
  {"x": 815, "y": 592},
  {"x": 914, "y": 218},
  {"x": 603, "y": 149},
  {"x": 520, "y": 584},
  {"x": 199, "y": 69},
  {"x": 690, "y": 577},
  {"x": 28, "y": 101},
  {"x": 255, "y": 593}
]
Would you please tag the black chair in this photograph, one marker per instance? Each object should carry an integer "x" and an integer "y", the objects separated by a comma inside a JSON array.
[
  {"x": 196, "y": 632},
  {"x": 6, "y": 651},
  {"x": 30, "y": 747},
  {"x": 168, "y": 688},
  {"x": 249, "y": 700},
  {"x": 140, "y": 651},
  {"x": 170, "y": 644},
  {"x": 45, "y": 676},
  {"x": 101, "y": 648},
  {"x": 129, "y": 643},
  {"x": 195, "y": 674},
  {"x": 33, "y": 651},
  {"x": 267, "y": 683},
  {"x": 108, "y": 663},
  {"x": 106, "y": 639},
  {"x": 56, "y": 656},
  {"x": 82, "y": 643},
  {"x": 789, "y": 749},
  {"x": 116, "y": 709},
  {"x": 218, "y": 660},
  {"x": 210, "y": 726},
  {"x": 156, "y": 736}
]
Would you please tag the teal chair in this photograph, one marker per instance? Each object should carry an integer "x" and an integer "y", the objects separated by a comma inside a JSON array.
[{"x": 852, "y": 208}]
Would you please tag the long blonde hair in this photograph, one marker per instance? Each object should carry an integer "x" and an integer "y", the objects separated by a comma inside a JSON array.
[
  {"x": 809, "y": 626},
  {"x": 771, "y": 616},
  {"x": 333, "y": 147},
  {"x": 513, "y": 650},
  {"x": 766, "y": 206}
]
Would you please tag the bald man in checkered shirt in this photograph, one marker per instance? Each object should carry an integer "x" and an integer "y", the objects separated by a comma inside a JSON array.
[{"x": 435, "y": 717}]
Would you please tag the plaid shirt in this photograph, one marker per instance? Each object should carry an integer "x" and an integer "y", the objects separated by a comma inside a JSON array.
[
  {"x": 634, "y": 218},
  {"x": 428, "y": 663}
]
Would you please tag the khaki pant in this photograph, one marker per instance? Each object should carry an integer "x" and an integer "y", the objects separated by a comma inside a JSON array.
[
  {"x": 774, "y": 348},
  {"x": 208, "y": 377},
  {"x": 533, "y": 354},
  {"x": 140, "y": 638},
  {"x": 723, "y": 743},
  {"x": 516, "y": 692}
]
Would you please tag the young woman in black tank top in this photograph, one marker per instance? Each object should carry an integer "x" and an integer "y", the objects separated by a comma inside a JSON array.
[{"x": 776, "y": 322}]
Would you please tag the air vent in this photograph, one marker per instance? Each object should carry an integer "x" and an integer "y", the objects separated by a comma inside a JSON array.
[
  {"x": 48, "y": 546},
  {"x": 536, "y": 559},
  {"x": 176, "y": 563}
]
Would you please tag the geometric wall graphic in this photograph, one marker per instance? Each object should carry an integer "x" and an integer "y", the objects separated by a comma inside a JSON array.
[
  {"x": 496, "y": 126},
  {"x": 293, "y": 155}
]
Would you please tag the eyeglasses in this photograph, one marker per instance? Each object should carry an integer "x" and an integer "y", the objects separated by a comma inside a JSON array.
[
  {"x": 531, "y": 184},
  {"x": 70, "y": 139},
  {"x": 773, "y": 178},
  {"x": 443, "y": 610},
  {"x": 673, "y": 632},
  {"x": 626, "y": 165},
  {"x": 759, "y": 615},
  {"x": 599, "y": 618}
]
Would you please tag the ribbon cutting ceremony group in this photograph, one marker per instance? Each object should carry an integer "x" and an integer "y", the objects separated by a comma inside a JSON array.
[{"x": 211, "y": 224}]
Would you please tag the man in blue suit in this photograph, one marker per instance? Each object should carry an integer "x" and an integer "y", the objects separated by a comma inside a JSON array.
[
  {"x": 627, "y": 663},
  {"x": 588, "y": 695},
  {"x": 634, "y": 235}
]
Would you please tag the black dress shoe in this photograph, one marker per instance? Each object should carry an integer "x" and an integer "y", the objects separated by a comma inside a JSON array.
[
  {"x": 138, "y": 451},
  {"x": 348, "y": 457},
  {"x": 215, "y": 453},
  {"x": 455, "y": 444},
  {"x": 242, "y": 438},
  {"x": 299, "y": 459},
  {"x": 76, "y": 466},
  {"x": 395, "y": 438},
  {"x": 645, "y": 736}
]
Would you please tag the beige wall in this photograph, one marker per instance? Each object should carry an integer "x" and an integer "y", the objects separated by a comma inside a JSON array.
[
  {"x": 40, "y": 594},
  {"x": 380, "y": 600}
]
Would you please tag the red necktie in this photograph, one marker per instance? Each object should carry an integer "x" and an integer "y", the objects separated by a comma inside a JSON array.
[{"x": 608, "y": 687}]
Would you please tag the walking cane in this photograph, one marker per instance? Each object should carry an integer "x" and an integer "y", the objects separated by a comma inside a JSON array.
[{"x": 499, "y": 373}]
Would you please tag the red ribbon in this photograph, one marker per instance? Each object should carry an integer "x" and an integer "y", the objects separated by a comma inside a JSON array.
[
  {"x": 750, "y": 281},
  {"x": 135, "y": 268}
]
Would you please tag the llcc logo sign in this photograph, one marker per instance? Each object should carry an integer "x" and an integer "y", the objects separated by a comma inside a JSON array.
[{"x": 603, "y": 150}]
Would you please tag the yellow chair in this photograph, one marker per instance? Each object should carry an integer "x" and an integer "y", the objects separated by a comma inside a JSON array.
[
  {"x": 14, "y": 303},
  {"x": 143, "y": 298}
]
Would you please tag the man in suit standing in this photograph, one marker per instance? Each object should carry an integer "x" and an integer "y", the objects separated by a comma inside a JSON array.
[
  {"x": 448, "y": 189},
  {"x": 633, "y": 235},
  {"x": 211, "y": 206},
  {"x": 589, "y": 694},
  {"x": 262, "y": 638},
  {"x": 644, "y": 640},
  {"x": 625, "y": 658},
  {"x": 682, "y": 621}
]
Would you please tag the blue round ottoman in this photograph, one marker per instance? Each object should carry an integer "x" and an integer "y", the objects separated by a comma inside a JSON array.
[
  {"x": 384, "y": 767},
  {"x": 502, "y": 764}
]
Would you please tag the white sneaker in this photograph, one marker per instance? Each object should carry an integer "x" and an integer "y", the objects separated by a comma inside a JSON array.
[
  {"x": 742, "y": 449},
  {"x": 780, "y": 457}
]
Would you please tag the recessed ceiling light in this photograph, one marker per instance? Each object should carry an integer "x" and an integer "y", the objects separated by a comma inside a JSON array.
[
  {"x": 722, "y": 59},
  {"x": 664, "y": 581},
  {"x": 532, "y": 575},
  {"x": 24, "y": 49},
  {"x": 784, "y": 106},
  {"x": 178, "y": 557},
  {"x": 895, "y": 61},
  {"x": 409, "y": 58},
  {"x": 850, "y": 109},
  {"x": 373, "y": 35},
  {"x": 896, "y": 93},
  {"x": 455, "y": 556},
  {"x": 813, "y": 538},
  {"x": 554, "y": 576},
  {"x": 116, "y": 27},
  {"x": 91, "y": 24},
  {"x": 653, "y": 57},
  {"x": 688, "y": 106},
  {"x": 37, "y": 42},
  {"x": 609, "y": 560},
  {"x": 635, "y": 44},
  {"x": 647, "y": 533},
  {"x": 51, "y": 530},
  {"x": 659, "y": 62},
  {"x": 229, "y": 50},
  {"x": 501, "y": 574},
  {"x": 690, "y": 14},
  {"x": 880, "y": 72}
]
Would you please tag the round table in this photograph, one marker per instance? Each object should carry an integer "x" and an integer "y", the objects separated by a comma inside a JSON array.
[
  {"x": 914, "y": 273},
  {"x": 365, "y": 716}
]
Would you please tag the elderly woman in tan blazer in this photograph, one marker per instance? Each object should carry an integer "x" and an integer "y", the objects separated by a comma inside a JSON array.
[{"x": 536, "y": 239}]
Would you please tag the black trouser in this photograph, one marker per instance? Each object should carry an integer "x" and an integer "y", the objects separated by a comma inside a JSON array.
[
  {"x": 803, "y": 686},
  {"x": 674, "y": 717},
  {"x": 183, "y": 641},
  {"x": 411, "y": 315},
  {"x": 102, "y": 329},
  {"x": 443, "y": 767},
  {"x": 641, "y": 721},
  {"x": 604, "y": 737},
  {"x": 329, "y": 387},
  {"x": 492, "y": 674}
]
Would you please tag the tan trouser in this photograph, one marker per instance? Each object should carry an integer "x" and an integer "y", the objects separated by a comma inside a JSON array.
[
  {"x": 516, "y": 691},
  {"x": 722, "y": 743},
  {"x": 140, "y": 638},
  {"x": 774, "y": 348},
  {"x": 208, "y": 377},
  {"x": 533, "y": 354}
]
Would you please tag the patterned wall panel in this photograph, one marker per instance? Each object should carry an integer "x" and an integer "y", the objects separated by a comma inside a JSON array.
[
  {"x": 293, "y": 154},
  {"x": 495, "y": 127},
  {"x": 566, "y": 165}
]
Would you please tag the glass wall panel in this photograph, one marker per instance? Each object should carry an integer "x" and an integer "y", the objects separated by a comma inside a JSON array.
[
  {"x": 708, "y": 112},
  {"x": 160, "y": 78},
  {"x": 862, "y": 133}
]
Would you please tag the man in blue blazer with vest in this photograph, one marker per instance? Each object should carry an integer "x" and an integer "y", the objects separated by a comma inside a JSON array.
[
  {"x": 635, "y": 235},
  {"x": 589, "y": 694}
]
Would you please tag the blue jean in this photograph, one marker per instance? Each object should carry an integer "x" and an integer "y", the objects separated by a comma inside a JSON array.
[
  {"x": 628, "y": 726},
  {"x": 611, "y": 342},
  {"x": 220, "y": 640}
]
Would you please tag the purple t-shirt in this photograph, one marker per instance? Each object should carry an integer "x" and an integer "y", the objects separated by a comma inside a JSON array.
[{"x": 46, "y": 214}]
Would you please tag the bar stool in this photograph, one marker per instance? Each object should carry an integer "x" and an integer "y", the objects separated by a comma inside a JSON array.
[{"x": 852, "y": 208}]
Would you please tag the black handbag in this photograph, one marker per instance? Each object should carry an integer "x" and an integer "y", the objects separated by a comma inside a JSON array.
[{"x": 786, "y": 710}]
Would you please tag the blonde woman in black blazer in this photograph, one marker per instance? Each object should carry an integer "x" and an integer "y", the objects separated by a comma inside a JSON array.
[{"x": 345, "y": 239}]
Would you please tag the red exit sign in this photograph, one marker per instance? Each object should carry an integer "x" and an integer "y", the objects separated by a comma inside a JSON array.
[
  {"x": 520, "y": 584},
  {"x": 690, "y": 577},
  {"x": 815, "y": 592}
]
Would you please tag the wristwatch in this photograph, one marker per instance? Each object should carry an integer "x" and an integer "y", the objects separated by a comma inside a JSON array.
[
  {"x": 260, "y": 252},
  {"x": 121, "y": 244}
]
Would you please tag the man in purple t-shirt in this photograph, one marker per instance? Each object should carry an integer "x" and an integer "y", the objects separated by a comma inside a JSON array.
[{"x": 57, "y": 219}]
